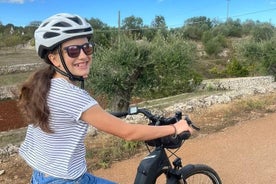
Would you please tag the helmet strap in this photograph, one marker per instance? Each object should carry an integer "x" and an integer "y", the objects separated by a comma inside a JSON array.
[{"x": 67, "y": 73}]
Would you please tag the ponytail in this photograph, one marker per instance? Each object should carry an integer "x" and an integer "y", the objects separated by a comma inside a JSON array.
[{"x": 33, "y": 98}]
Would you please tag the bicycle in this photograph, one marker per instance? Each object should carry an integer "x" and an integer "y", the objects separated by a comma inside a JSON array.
[{"x": 157, "y": 162}]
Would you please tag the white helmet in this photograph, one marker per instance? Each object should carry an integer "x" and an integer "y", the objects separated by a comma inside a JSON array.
[{"x": 59, "y": 28}]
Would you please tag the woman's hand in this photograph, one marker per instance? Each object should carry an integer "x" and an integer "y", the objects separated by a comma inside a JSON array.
[{"x": 182, "y": 126}]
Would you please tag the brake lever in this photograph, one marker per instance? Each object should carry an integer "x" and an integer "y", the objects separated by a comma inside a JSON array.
[{"x": 190, "y": 123}]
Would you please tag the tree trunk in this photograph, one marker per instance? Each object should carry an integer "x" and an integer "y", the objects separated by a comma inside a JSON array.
[{"x": 120, "y": 103}]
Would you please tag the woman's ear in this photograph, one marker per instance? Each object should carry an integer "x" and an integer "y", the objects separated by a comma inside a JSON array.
[{"x": 54, "y": 59}]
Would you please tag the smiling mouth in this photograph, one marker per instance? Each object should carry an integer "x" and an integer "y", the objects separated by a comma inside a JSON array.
[{"x": 81, "y": 65}]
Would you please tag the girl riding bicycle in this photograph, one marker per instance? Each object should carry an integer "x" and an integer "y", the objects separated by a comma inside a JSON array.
[{"x": 59, "y": 112}]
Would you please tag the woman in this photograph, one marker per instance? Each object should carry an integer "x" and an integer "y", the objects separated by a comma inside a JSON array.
[{"x": 59, "y": 111}]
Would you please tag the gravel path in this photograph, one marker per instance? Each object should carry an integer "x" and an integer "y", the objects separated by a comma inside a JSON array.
[{"x": 244, "y": 153}]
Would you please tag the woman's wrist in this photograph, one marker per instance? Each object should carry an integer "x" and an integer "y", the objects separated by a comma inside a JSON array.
[{"x": 175, "y": 131}]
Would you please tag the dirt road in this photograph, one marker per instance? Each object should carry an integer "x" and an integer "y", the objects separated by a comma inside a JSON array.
[{"x": 242, "y": 154}]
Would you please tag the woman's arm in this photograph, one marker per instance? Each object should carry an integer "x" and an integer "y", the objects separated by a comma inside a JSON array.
[{"x": 108, "y": 123}]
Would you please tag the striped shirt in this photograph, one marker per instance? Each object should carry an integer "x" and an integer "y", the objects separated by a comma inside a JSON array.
[{"x": 62, "y": 153}]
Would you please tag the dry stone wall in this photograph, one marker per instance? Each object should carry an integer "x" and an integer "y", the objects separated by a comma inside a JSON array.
[
  {"x": 20, "y": 68},
  {"x": 237, "y": 83}
]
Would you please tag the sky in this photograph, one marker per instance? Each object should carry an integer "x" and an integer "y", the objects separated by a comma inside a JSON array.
[{"x": 175, "y": 12}]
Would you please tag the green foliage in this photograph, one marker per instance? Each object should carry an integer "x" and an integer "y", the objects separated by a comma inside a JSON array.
[
  {"x": 263, "y": 33},
  {"x": 248, "y": 26},
  {"x": 134, "y": 26},
  {"x": 214, "y": 44},
  {"x": 252, "y": 104},
  {"x": 153, "y": 61},
  {"x": 231, "y": 28},
  {"x": 11, "y": 35},
  {"x": 234, "y": 28},
  {"x": 118, "y": 69},
  {"x": 172, "y": 58},
  {"x": 269, "y": 57},
  {"x": 103, "y": 35},
  {"x": 158, "y": 22},
  {"x": 158, "y": 68},
  {"x": 196, "y": 26},
  {"x": 114, "y": 149},
  {"x": 234, "y": 68},
  {"x": 260, "y": 56}
]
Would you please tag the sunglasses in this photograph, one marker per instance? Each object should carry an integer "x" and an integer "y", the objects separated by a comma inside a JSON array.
[{"x": 74, "y": 51}]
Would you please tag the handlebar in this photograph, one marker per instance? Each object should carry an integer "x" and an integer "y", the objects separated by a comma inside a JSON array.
[{"x": 156, "y": 120}]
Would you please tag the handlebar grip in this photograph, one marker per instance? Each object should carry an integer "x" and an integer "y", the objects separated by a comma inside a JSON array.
[
  {"x": 169, "y": 121},
  {"x": 184, "y": 135}
]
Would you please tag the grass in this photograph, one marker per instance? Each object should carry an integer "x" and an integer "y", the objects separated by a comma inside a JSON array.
[
  {"x": 20, "y": 56},
  {"x": 9, "y": 57},
  {"x": 11, "y": 79},
  {"x": 111, "y": 149},
  {"x": 167, "y": 101},
  {"x": 220, "y": 116}
]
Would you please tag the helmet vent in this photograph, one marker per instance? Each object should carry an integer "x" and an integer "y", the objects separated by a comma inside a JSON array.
[
  {"x": 62, "y": 24},
  {"x": 78, "y": 30},
  {"x": 76, "y": 19},
  {"x": 50, "y": 35},
  {"x": 44, "y": 24}
]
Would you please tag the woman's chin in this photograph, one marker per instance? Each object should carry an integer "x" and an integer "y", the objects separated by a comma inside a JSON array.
[{"x": 85, "y": 76}]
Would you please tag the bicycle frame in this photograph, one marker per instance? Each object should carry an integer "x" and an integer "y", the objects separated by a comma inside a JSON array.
[
  {"x": 152, "y": 166},
  {"x": 157, "y": 163}
]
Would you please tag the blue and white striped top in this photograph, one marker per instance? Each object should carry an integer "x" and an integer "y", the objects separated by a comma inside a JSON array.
[{"x": 62, "y": 153}]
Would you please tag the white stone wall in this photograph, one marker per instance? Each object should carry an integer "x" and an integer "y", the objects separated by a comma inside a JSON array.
[
  {"x": 8, "y": 92},
  {"x": 19, "y": 68},
  {"x": 236, "y": 83}
]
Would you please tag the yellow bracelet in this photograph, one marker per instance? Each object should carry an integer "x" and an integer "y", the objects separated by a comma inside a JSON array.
[{"x": 175, "y": 131}]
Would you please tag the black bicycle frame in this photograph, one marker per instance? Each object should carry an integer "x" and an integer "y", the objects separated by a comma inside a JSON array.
[{"x": 153, "y": 165}]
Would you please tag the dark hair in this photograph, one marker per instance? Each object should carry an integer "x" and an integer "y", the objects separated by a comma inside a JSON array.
[{"x": 33, "y": 97}]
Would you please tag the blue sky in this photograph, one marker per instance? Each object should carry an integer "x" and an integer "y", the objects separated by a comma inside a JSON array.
[{"x": 175, "y": 12}]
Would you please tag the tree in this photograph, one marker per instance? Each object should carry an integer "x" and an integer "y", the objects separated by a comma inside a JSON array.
[
  {"x": 235, "y": 69},
  {"x": 97, "y": 24},
  {"x": 247, "y": 27},
  {"x": 194, "y": 27},
  {"x": 263, "y": 33},
  {"x": 34, "y": 23},
  {"x": 269, "y": 59},
  {"x": 159, "y": 22},
  {"x": 117, "y": 70},
  {"x": 153, "y": 69},
  {"x": 252, "y": 52},
  {"x": 134, "y": 26},
  {"x": 213, "y": 44},
  {"x": 234, "y": 28},
  {"x": 172, "y": 58},
  {"x": 102, "y": 32}
]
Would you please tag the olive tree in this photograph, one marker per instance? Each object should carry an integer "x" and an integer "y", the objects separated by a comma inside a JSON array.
[
  {"x": 117, "y": 70},
  {"x": 173, "y": 60}
]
